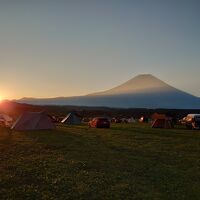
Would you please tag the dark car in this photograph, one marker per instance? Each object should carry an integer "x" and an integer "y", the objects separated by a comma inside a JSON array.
[{"x": 99, "y": 122}]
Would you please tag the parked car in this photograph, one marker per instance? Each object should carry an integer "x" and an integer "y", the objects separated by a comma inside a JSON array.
[
  {"x": 99, "y": 122},
  {"x": 182, "y": 121},
  {"x": 192, "y": 121}
]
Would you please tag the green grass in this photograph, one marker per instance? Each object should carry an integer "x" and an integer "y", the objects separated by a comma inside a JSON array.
[{"x": 124, "y": 162}]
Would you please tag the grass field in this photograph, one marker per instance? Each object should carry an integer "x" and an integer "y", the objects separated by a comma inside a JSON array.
[{"x": 124, "y": 162}]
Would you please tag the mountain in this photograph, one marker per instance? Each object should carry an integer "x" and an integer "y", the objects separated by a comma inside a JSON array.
[
  {"x": 143, "y": 91},
  {"x": 139, "y": 84}
]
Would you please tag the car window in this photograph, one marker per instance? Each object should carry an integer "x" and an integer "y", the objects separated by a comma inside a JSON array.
[{"x": 197, "y": 118}]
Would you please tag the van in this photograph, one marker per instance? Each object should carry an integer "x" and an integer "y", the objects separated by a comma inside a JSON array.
[{"x": 192, "y": 121}]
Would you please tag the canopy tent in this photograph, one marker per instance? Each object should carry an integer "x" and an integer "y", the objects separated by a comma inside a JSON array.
[
  {"x": 71, "y": 118},
  {"x": 33, "y": 121}
]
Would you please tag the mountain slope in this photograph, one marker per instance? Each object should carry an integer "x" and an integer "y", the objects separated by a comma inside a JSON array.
[
  {"x": 139, "y": 84},
  {"x": 143, "y": 91}
]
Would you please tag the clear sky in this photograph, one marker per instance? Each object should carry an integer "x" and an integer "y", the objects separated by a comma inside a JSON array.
[{"x": 54, "y": 48}]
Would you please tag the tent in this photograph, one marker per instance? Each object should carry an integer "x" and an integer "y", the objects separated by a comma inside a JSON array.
[
  {"x": 5, "y": 120},
  {"x": 71, "y": 118},
  {"x": 157, "y": 115},
  {"x": 131, "y": 120},
  {"x": 161, "y": 121},
  {"x": 33, "y": 121}
]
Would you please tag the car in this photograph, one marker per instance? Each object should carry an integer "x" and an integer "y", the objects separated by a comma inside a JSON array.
[
  {"x": 192, "y": 121},
  {"x": 182, "y": 121},
  {"x": 99, "y": 122}
]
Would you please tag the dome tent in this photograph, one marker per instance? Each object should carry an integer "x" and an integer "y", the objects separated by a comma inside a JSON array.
[
  {"x": 161, "y": 121},
  {"x": 71, "y": 118}
]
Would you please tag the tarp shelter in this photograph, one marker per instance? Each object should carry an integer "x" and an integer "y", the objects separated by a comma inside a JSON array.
[
  {"x": 33, "y": 121},
  {"x": 5, "y": 120},
  {"x": 71, "y": 118},
  {"x": 161, "y": 121}
]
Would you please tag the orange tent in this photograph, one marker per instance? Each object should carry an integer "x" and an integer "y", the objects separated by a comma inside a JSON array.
[{"x": 161, "y": 121}]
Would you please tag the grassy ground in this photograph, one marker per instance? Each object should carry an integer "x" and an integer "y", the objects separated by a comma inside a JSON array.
[{"x": 124, "y": 162}]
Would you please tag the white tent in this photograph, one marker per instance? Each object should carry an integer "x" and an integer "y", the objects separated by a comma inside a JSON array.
[
  {"x": 71, "y": 118},
  {"x": 33, "y": 121},
  {"x": 131, "y": 120}
]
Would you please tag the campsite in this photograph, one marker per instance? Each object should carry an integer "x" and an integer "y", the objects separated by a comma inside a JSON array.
[
  {"x": 100, "y": 100},
  {"x": 127, "y": 161},
  {"x": 54, "y": 152},
  {"x": 57, "y": 154}
]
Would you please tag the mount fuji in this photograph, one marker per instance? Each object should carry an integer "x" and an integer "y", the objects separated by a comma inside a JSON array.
[{"x": 142, "y": 91}]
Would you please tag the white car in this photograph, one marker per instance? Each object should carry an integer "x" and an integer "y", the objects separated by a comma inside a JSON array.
[{"x": 192, "y": 121}]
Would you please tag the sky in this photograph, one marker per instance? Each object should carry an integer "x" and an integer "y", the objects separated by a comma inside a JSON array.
[{"x": 74, "y": 47}]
